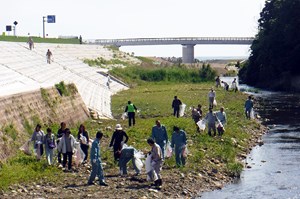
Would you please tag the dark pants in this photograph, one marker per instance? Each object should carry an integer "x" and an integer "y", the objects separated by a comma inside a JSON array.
[
  {"x": 131, "y": 116},
  {"x": 176, "y": 112},
  {"x": 59, "y": 157},
  {"x": 117, "y": 151},
  {"x": 69, "y": 156},
  {"x": 85, "y": 149}
]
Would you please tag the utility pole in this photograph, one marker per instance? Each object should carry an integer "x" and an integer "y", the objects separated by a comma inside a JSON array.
[{"x": 44, "y": 26}]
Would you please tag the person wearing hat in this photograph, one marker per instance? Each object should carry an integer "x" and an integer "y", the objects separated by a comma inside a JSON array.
[
  {"x": 117, "y": 140},
  {"x": 95, "y": 156},
  {"x": 130, "y": 109}
]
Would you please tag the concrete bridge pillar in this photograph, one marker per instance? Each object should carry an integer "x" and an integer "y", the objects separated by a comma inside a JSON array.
[{"x": 188, "y": 53}]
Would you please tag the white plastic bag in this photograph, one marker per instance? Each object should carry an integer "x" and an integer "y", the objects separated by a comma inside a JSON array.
[
  {"x": 182, "y": 109},
  {"x": 25, "y": 148},
  {"x": 79, "y": 155},
  {"x": 139, "y": 155},
  {"x": 138, "y": 163},
  {"x": 168, "y": 150},
  {"x": 148, "y": 165},
  {"x": 124, "y": 116},
  {"x": 215, "y": 102},
  {"x": 201, "y": 125},
  {"x": 185, "y": 152},
  {"x": 252, "y": 114}
]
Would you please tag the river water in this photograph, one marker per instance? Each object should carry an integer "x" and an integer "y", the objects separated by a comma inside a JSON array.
[{"x": 275, "y": 166}]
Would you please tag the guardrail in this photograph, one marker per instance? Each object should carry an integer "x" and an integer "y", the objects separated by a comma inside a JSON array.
[{"x": 171, "y": 41}]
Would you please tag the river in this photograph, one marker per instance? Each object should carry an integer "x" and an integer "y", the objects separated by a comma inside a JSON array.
[{"x": 275, "y": 166}]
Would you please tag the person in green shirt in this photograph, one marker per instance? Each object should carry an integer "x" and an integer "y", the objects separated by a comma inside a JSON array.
[{"x": 130, "y": 109}]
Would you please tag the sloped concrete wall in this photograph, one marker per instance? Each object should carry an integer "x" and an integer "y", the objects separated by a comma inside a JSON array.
[{"x": 20, "y": 113}]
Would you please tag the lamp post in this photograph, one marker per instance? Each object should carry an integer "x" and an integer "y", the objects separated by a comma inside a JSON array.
[
  {"x": 44, "y": 26},
  {"x": 15, "y": 23}
]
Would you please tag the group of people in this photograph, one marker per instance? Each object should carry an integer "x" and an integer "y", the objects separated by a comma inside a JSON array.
[
  {"x": 65, "y": 144},
  {"x": 226, "y": 85},
  {"x": 48, "y": 53}
]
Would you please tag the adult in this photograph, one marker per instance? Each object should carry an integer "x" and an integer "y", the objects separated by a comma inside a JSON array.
[
  {"x": 30, "y": 43},
  {"x": 226, "y": 86},
  {"x": 211, "y": 121},
  {"x": 160, "y": 136},
  {"x": 67, "y": 146},
  {"x": 117, "y": 141},
  {"x": 218, "y": 81},
  {"x": 48, "y": 56},
  {"x": 49, "y": 146},
  {"x": 196, "y": 115},
  {"x": 127, "y": 154},
  {"x": 211, "y": 97},
  {"x": 179, "y": 142},
  {"x": 108, "y": 81},
  {"x": 234, "y": 85},
  {"x": 156, "y": 162},
  {"x": 175, "y": 105},
  {"x": 130, "y": 109},
  {"x": 83, "y": 137},
  {"x": 95, "y": 156},
  {"x": 221, "y": 115},
  {"x": 38, "y": 140},
  {"x": 60, "y": 133},
  {"x": 248, "y": 107}
]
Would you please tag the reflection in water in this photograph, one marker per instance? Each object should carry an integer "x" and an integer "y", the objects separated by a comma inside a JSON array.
[{"x": 275, "y": 171}]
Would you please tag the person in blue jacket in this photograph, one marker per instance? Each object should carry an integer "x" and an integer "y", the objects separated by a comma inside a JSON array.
[
  {"x": 248, "y": 107},
  {"x": 160, "y": 136},
  {"x": 179, "y": 142},
  {"x": 96, "y": 161}
]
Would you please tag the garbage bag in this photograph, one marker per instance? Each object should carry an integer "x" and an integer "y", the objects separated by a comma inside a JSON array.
[
  {"x": 138, "y": 163},
  {"x": 201, "y": 125},
  {"x": 79, "y": 155},
  {"x": 215, "y": 102},
  {"x": 148, "y": 165},
  {"x": 25, "y": 148},
  {"x": 182, "y": 109},
  {"x": 124, "y": 116},
  {"x": 185, "y": 152},
  {"x": 168, "y": 150},
  {"x": 252, "y": 114}
]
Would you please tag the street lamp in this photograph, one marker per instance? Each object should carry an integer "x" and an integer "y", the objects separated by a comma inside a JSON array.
[{"x": 15, "y": 23}]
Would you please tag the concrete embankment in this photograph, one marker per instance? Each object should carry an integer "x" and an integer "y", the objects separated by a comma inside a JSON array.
[{"x": 20, "y": 113}]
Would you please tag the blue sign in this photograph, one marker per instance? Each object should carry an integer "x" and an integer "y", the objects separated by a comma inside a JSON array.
[{"x": 51, "y": 18}]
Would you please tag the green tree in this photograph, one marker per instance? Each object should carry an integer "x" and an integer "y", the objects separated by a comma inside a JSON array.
[{"x": 275, "y": 51}]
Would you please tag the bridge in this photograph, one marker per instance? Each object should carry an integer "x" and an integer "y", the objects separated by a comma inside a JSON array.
[{"x": 187, "y": 43}]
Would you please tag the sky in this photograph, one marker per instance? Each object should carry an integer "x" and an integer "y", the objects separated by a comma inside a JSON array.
[{"x": 114, "y": 19}]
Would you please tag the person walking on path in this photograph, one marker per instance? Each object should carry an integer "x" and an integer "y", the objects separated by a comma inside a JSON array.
[
  {"x": 248, "y": 107},
  {"x": 218, "y": 81},
  {"x": 221, "y": 115},
  {"x": 211, "y": 119},
  {"x": 108, "y": 81},
  {"x": 175, "y": 105},
  {"x": 30, "y": 43},
  {"x": 49, "y": 56},
  {"x": 60, "y": 133},
  {"x": 211, "y": 97},
  {"x": 38, "y": 137},
  {"x": 49, "y": 146},
  {"x": 67, "y": 146},
  {"x": 127, "y": 154},
  {"x": 130, "y": 109},
  {"x": 83, "y": 137},
  {"x": 179, "y": 141},
  {"x": 160, "y": 136},
  {"x": 156, "y": 162},
  {"x": 95, "y": 156},
  {"x": 117, "y": 141}
]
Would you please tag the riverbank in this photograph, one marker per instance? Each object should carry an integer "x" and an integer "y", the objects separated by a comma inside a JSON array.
[{"x": 212, "y": 162}]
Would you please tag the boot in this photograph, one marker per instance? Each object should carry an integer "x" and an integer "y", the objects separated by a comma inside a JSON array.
[{"x": 160, "y": 182}]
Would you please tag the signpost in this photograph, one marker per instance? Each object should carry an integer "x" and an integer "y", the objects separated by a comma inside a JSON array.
[{"x": 50, "y": 19}]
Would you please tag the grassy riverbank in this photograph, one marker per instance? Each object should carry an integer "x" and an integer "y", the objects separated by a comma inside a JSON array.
[{"x": 39, "y": 39}]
